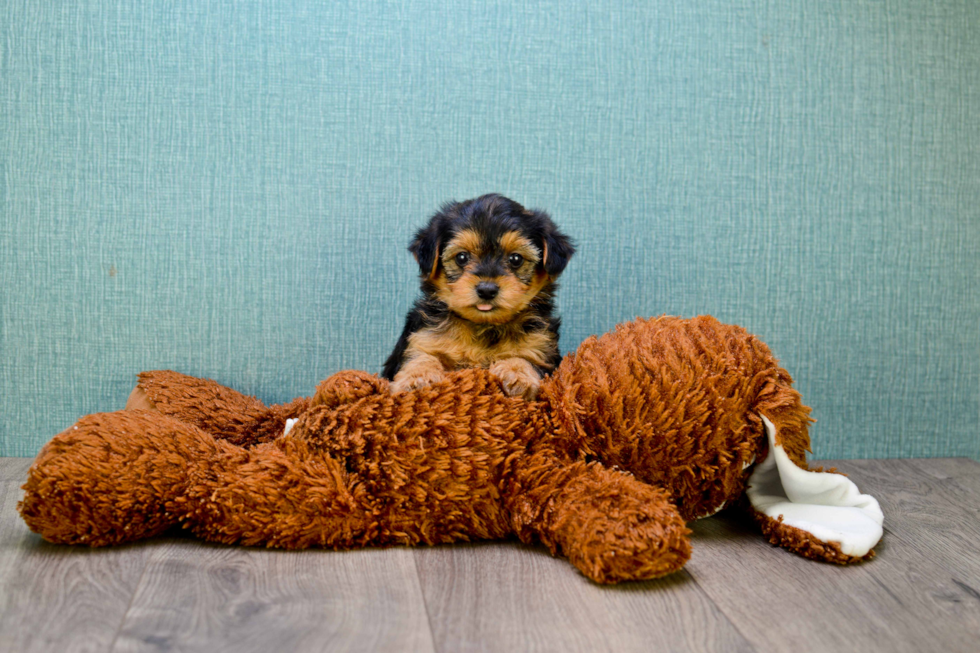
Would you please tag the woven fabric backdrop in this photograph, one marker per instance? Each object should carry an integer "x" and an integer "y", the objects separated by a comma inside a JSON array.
[{"x": 227, "y": 189}]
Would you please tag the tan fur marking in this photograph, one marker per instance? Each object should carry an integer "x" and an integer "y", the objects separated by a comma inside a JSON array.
[
  {"x": 514, "y": 242},
  {"x": 435, "y": 263},
  {"x": 443, "y": 288},
  {"x": 457, "y": 343},
  {"x": 541, "y": 279},
  {"x": 465, "y": 241},
  {"x": 513, "y": 296}
]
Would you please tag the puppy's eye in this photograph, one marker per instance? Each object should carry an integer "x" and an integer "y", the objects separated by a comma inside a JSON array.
[
  {"x": 515, "y": 260},
  {"x": 462, "y": 259}
]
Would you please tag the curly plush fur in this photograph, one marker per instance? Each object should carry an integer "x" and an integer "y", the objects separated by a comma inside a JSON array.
[{"x": 639, "y": 431}]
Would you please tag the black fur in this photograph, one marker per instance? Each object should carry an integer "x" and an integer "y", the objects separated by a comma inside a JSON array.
[{"x": 491, "y": 216}]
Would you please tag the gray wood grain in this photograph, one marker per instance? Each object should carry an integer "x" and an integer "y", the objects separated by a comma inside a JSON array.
[
  {"x": 903, "y": 600},
  {"x": 958, "y": 468},
  {"x": 201, "y": 597},
  {"x": 937, "y": 517},
  {"x": 508, "y": 597},
  {"x": 14, "y": 469},
  {"x": 55, "y": 598},
  {"x": 960, "y": 475},
  {"x": 922, "y": 591}
]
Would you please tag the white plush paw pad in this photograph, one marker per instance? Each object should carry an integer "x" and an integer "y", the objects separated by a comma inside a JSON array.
[{"x": 828, "y": 506}]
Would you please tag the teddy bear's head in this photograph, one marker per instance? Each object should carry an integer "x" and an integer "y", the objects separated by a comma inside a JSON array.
[{"x": 675, "y": 402}]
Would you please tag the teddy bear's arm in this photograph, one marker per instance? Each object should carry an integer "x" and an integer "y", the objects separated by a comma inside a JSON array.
[{"x": 609, "y": 525}]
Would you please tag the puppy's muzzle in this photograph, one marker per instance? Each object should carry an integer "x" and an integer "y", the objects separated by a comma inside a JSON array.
[{"x": 487, "y": 290}]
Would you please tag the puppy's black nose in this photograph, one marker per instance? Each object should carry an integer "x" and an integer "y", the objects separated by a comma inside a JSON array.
[{"x": 487, "y": 289}]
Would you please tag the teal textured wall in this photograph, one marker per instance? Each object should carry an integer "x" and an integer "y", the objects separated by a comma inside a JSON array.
[{"x": 227, "y": 189}]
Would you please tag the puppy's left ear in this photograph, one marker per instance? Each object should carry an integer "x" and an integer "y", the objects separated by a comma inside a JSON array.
[
  {"x": 556, "y": 248},
  {"x": 425, "y": 248}
]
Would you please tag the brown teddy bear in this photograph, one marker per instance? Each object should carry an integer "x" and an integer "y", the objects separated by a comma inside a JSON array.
[{"x": 639, "y": 431}]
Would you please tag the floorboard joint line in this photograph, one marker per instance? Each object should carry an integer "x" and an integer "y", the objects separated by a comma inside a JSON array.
[
  {"x": 721, "y": 611},
  {"x": 425, "y": 603},
  {"x": 136, "y": 589}
]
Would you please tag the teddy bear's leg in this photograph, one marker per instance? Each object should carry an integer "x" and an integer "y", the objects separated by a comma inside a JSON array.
[
  {"x": 611, "y": 526},
  {"x": 819, "y": 515},
  {"x": 112, "y": 478},
  {"x": 202, "y": 402},
  {"x": 285, "y": 494},
  {"x": 224, "y": 413}
]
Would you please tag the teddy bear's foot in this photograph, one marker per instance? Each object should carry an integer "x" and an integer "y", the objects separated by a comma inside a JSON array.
[
  {"x": 347, "y": 386},
  {"x": 613, "y": 528},
  {"x": 111, "y": 478},
  {"x": 816, "y": 514},
  {"x": 138, "y": 400}
]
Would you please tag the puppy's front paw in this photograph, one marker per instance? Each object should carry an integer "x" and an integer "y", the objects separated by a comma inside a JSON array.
[
  {"x": 417, "y": 374},
  {"x": 518, "y": 377}
]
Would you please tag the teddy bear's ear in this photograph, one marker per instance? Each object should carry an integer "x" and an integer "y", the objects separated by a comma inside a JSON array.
[
  {"x": 556, "y": 248},
  {"x": 425, "y": 248},
  {"x": 818, "y": 514}
]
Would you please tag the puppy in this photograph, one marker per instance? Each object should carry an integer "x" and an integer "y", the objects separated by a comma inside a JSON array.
[{"x": 488, "y": 269}]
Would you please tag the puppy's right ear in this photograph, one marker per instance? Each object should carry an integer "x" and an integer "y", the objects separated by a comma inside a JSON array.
[{"x": 425, "y": 248}]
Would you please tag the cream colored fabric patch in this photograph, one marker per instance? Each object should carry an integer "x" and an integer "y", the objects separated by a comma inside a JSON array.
[{"x": 829, "y": 506}]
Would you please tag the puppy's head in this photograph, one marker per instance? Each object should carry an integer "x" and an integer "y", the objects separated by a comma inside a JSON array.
[{"x": 489, "y": 257}]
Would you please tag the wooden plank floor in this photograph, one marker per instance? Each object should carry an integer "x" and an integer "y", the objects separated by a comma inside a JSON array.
[{"x": 921, "y": 593}]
